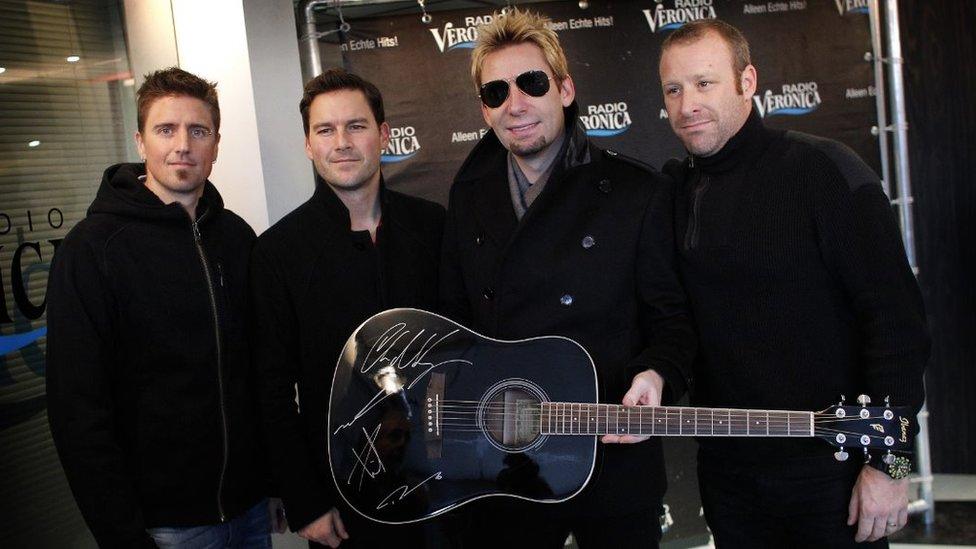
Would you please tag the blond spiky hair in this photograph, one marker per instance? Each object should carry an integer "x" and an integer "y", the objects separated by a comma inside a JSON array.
[{"x": 518, "y": 27}]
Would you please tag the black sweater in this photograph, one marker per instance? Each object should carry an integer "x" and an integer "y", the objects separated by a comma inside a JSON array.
[
  {"x": 313, "y": 282},
  {"x": 795, "y": 269},
  {"x": 136, "y": 308}
]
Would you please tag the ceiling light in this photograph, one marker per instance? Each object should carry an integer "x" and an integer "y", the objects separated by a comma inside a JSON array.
[
  {"x": 72, "y": 59},
  {"x": 34, "y": 143},
  {"x": 2, "y": 70}
]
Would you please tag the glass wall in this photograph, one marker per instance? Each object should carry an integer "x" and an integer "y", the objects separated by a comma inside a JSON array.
[{"x": 66, "y": 112}]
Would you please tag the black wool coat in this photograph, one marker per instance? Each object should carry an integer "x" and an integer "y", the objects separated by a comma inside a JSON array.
[{"x": 592, "y": 259}]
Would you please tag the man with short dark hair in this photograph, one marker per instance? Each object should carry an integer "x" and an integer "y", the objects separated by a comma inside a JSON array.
[
  {"x": 795, "y": 269},
  {"x": 355, "y": 248},
  {"x": 147, "y": 355},
  {"x": 549, "y": 235}
]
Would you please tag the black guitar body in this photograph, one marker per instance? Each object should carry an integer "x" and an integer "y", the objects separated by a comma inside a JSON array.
[{"x": 426, "y": 415}]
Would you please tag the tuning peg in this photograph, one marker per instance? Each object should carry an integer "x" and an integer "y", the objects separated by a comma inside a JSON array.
[
  {"x": 841, "y": 455},
  {"x": 888, "y": 458},
  {"x": 888, "y": 402},
  {"x": 842, "y": 399},
  {"x": 867, "y": 456},
  {"x": 863, "y": 400}
]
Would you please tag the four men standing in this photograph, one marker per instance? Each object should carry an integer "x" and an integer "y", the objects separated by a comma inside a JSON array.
[{"x": 784, "y": 243}]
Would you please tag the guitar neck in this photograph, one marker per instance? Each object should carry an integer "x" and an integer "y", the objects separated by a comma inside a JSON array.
[{"x": 572, "y": 418}]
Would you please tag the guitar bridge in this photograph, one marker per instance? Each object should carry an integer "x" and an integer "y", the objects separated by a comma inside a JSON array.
[{"x": 433, "y": 412}]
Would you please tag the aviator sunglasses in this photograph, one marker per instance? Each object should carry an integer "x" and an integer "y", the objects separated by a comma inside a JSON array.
[{"x": 532, "y": 83}]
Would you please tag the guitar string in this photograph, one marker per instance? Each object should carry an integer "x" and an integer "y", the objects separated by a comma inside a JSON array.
[{"x": 557, "y": 408}]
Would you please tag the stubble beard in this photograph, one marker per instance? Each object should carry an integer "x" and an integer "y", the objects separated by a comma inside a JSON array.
[{"x": 529, "y": 149}]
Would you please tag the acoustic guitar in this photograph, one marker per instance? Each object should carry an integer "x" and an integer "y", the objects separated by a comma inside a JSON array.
[{"x": 426, "y": 415}]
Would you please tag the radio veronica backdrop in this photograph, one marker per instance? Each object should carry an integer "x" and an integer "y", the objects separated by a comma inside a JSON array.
[{"x": 810, "y": 56}]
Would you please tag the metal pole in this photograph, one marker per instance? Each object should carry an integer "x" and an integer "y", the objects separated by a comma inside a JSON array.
[
  {"x": 877, "y": 61},
  {"x": 313, "y": 61},
  {"x": 904, "y": 201},
  {"x": 900, "y": 124}
]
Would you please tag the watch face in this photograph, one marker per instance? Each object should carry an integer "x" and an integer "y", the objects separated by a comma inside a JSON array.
[{"x": 900, "y": 468}]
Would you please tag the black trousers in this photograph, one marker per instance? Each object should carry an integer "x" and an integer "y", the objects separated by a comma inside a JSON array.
[
  {"x": 517, "y": 525},
  {"x": 798, "y": 504}
]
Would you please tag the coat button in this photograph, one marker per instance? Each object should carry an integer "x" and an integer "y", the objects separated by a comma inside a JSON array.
[
  {"x": 478, "y": 240},
  {"x": 488, "y": 294},
  {"x": 588, "y": 242},
  {"x": 566, "y": 300},
  {"x": 604, "y": 186}
]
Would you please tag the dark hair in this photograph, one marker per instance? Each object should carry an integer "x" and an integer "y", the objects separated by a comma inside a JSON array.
[
  {"x": 696, "y": 30},
  {"x": 175, "y": 81},
  {"x": 336, "y": 79}
]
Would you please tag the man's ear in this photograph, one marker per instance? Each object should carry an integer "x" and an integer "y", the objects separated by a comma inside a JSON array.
[
  {"x": 384, "y": 135},
  {"x": 567, "y": 91},
  {"x": 140, "y": 145},
  {"x": 749, "y": 81}
]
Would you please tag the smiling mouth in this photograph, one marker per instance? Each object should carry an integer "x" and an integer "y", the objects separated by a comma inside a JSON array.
[
  {"x": 694, "y": 125},
  {"x": 182, "y": 164},
  {"x": 524, "y": 128}
]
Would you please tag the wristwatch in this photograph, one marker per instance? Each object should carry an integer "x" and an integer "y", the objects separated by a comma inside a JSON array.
[{"x": 896, "y": 467}]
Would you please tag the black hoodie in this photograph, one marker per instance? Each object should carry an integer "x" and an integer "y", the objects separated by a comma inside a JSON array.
[{"x": 147, "y": 363}]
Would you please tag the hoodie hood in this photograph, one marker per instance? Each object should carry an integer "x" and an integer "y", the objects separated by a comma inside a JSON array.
[{"x": 123, "y": 192}]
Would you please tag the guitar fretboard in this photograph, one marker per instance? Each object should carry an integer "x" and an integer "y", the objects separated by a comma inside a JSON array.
[{"x": 565, "y": 418}]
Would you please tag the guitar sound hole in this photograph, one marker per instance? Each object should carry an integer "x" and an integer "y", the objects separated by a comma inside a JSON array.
[{"x": 509, "y": 415}]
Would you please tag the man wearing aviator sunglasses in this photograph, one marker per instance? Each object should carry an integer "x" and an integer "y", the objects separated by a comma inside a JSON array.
[{"x": 548, "y": 235}]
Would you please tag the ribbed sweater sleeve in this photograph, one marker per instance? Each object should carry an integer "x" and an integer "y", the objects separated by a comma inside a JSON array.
[{"x": 860, "y": 242}]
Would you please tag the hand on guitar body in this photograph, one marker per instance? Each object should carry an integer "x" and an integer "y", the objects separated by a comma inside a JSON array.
[
  {"x": 327, "y": 529},
  {"x": 645, "y": 390},
  {"x": 879, "y": 505}
]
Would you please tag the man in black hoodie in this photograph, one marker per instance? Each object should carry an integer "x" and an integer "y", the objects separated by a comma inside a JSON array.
[
  {"x": 147, "y": 358},
  {"x": 548, "y": 235},
  {"x": 794, "y": 267}
]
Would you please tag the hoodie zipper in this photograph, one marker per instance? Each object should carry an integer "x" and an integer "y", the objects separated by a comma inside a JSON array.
[
  {"x": 691, "y": 233},
  {"x": 198, "y": 240}
]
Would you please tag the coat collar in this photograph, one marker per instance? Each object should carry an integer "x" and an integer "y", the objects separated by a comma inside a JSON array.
[{"x": 336, "y": 211}]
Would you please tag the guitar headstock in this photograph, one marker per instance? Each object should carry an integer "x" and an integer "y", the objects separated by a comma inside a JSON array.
[{"x": 866, "y": 427}]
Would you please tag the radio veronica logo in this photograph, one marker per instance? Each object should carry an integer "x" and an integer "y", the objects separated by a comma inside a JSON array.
[
  {"x": 684, "y": 11},
  {"x": 606, "y": 120},
  {"x": 796, "y": 99},
  {"x": 451, "y": 37},
  {"x": 403, "y": 145},
  {"x": 28, "y": 269},
  {"x": 851, "y": 6}
]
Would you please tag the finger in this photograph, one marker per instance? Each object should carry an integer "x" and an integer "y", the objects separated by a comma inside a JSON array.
[
  {"x": 340, "y": 527},
  {"x": 852, "y": 509},
  {"x": 633, "y": 395},
  {"x": 878, "y": 528},
  {"x": 864, "y": 527},
  {"x": 902, "y": 517},
  {"x": 631, "y": 439}
]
